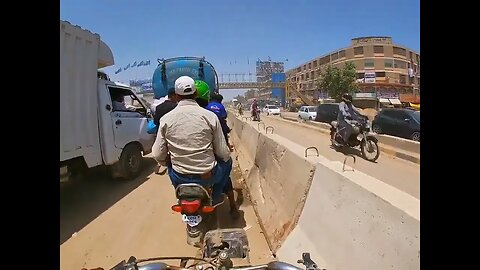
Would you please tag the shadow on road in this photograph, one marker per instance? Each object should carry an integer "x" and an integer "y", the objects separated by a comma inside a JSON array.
[
  {"x": 225, "y": 220},
  {"x": 84, "y": 199},
  {"x": 350, "y": 151}
]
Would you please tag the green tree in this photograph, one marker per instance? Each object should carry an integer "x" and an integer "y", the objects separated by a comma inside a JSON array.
[{"x": 338, "y": 81}]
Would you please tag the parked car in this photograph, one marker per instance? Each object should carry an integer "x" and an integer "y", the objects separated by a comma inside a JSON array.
[
  {"x": 404, "y": 123},
  {"x": 327, "y": 112},
  {"x": 271, "y": 109},
  {"x": 307, "y": 113}
]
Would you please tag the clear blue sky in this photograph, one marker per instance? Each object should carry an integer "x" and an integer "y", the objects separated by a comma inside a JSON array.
[{"x": 230, "y": 33}]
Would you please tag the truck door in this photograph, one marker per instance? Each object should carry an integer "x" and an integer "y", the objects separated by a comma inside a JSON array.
[{"x": 130, "y": 122}]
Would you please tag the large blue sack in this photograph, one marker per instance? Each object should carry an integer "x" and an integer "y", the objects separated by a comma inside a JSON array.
[{"x": 171, "y": 69}]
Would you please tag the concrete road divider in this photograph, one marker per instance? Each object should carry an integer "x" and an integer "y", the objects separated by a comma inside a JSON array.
[{"x": 344, "y": 218}]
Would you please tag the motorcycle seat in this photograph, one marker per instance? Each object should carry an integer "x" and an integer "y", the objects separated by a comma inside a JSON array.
[{"x": 188, "y": 191}]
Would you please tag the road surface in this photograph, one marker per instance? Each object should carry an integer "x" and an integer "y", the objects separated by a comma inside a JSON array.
[
  {"x": 104, "y": 221},
  {"x": 399, "y": 173}
]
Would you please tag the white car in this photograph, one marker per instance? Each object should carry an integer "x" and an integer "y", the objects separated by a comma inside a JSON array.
[
  {"x": 271, "y": 109},
  {"x": 307, "y": 113}
]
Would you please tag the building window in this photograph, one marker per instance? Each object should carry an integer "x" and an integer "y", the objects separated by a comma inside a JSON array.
[
  {"x": 360, "y": 75},
  {"x": 358, "y": 64},
  {"x": 312, "y": 74},
  {"x": 303, "y": 77},
  {"x": 400, "y": 64},
  {"x": 307, "y": 76},
  {"x": 369, "y": 63},
  {"x": 358, "y": 50},
  {"x": 399, "y": 51},
  {"x": 309, "y": 65},
  {"x": 377, "y": 49},
  {"x": 325, "y": 60},
  {"x": 341, "y": 54},
  {"x": 304, "y": 67},
  {"x": 334, "y": 56},
  {"x": 380, "y": 74},
  {"x": 299, "y": 69},
  {"x": 403, "y": 79},
  {"x": 315, "y": 63},
  {"x": 389, "y": 63}
]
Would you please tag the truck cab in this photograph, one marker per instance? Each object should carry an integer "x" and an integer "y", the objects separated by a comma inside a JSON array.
[{"x": 123, "y": 131}]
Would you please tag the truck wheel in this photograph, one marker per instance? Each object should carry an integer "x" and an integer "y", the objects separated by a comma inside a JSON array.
[{"x": 131, "y": 161}]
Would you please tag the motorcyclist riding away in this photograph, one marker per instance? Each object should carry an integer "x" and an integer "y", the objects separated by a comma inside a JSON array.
[
  {"x": 215, "y": 106},
  {"x": 254, "y": 107},
  {"x": 347, "y": 115},
  {"x": 194, "y": 139}
]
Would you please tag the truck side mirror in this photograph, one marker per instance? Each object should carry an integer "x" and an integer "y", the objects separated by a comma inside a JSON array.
[{"x": 108, "y": 107}]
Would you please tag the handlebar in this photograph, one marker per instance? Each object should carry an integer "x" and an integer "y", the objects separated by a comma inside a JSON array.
[{"x": 222, "y": 261}]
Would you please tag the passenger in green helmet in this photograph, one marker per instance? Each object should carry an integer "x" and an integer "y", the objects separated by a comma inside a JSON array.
[
  {"x": 203, "y": 99},
  {"x": 203, "y": 93}
]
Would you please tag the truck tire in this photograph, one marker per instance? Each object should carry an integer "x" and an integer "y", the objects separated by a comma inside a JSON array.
[{"x": 131, "y": 162}]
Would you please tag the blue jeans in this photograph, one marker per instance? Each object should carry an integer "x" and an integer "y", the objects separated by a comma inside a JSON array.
[{"x": 220, "y": 176}]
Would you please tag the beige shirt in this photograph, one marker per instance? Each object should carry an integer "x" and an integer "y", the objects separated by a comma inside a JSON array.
[{"x": 193, "y": 136}]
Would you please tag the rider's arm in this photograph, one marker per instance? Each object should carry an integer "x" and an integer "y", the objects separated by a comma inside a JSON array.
[
  {"x": 343, "y": 109},
  {"x": 220, "y": 147},
  {"x": 159, "y": 148},
  {"x": 356, "y": 110}
]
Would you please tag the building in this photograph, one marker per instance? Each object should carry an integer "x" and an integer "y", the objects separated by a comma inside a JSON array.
[
  {"x": 265, "y": 72},
  {"x": 382, "y": 67}
]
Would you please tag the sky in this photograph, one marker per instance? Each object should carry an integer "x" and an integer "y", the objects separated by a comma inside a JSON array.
[{"x": 232, "y": 35}]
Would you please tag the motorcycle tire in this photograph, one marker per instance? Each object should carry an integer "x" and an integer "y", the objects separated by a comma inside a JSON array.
[{"x": 363, "y": 147}]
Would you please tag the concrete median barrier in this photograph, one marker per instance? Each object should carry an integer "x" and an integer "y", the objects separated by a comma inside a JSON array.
[
  {"x": 354, "y": 221},
  {"x": 344, "y": 218},
  {"x": 277, "y": 193}
]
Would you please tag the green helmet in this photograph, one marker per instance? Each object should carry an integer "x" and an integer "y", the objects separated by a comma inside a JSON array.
[{"x": 203, "y": 90}]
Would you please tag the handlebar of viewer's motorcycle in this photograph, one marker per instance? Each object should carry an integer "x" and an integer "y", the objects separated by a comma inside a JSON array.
[{"x": 222, "y": 261}]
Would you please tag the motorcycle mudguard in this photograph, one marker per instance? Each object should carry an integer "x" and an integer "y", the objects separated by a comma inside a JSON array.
[{"x": 373, "y": 138}]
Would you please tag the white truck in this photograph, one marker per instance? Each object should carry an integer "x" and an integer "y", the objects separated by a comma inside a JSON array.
[{"x": 93, "y": 131}]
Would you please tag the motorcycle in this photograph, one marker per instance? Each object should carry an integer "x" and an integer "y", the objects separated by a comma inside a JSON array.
[
  {"x": 256, "y": 114},
  {"x": 361, "y": 136},
  {"x": 222, "y": 261},
  {"x": 195, "y": 204}
]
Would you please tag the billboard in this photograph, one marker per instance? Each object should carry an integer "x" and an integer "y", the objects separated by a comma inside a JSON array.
[
  {"x": 278, "y": 93},
  {"x": 369, "y": 76}
]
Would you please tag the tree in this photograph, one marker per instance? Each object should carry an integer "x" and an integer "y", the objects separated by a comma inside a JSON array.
[{"x": 338, "y": 81}]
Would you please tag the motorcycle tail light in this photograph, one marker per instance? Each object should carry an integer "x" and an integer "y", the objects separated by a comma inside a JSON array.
[{"x": 190, "y": 207}]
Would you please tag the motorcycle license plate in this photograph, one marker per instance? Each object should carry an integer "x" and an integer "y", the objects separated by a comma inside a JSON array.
[{"x": 192, "y": 220}]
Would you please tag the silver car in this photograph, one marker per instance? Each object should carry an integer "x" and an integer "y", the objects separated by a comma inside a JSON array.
[{"x": 307, "y": 113}]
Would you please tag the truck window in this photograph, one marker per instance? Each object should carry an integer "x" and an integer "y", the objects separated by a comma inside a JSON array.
[{"x": 124, "y": 100}]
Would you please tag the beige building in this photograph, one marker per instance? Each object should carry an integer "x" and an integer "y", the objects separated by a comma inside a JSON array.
[{"x": 382, "y": 67}]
